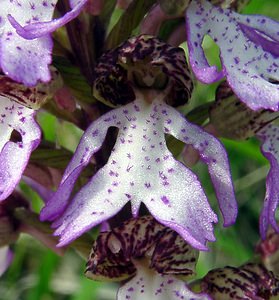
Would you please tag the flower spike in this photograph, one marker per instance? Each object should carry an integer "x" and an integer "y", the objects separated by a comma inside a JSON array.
[{"x": 248, "y": 51}]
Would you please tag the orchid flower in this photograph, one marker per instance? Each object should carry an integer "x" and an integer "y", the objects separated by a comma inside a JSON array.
[
  {"x": 14, "y": 155},
  {"x": 233, "y": 119},
  {"x": 248, "y": 51},
  {"x": 25, "y": 40},
  {"x": 149, "y": 257},
  {"x": 141, "y": 169},
  {"x": 20, "y": 133},
  {"x": 251, "y": 281}
]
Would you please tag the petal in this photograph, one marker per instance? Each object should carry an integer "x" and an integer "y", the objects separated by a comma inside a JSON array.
[
  {"x": 6, "y": 257},
  {"x": 90, "y": 143},
  {"x": 23, "y": 60},
  {"x": 213, "y": 154},
  {"x": 149, "y": 285},
  {"x": 270, "y": 146},
  {"x": 15, "y": 155},
  {"x": 249, "y": 60},
  {"x": 41, "y": 25},
  {"x": 170, "y": 191}
]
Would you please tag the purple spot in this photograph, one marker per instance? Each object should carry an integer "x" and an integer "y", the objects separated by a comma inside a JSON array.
[
  {"x": 95, "y": 132},
  {"x": 165, "y": 200}
]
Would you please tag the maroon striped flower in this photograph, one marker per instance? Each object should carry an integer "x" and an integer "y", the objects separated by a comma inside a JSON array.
[{"x": 154, "y": 261}]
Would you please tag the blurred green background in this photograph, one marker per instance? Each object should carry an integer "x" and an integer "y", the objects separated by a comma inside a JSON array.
[{"x": 39, "y": 274}]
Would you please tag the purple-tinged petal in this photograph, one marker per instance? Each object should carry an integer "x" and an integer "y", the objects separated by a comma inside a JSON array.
[
  {"x": 140, "y": 170},
  {"x": 213, "y": 154},
  {"x": 90, "y": 143},
  {"x": 22, "y": 60},
  {"x": 16, "y": 122},
  {"x": 149, "y": 285},
  {"x": 25, "y": 60},
  {"x": 248, "y": 52},
  {"x": 42, "y": 26},
  {"x": 270, "y": 149},
  {"x": 6, "y": 257}
]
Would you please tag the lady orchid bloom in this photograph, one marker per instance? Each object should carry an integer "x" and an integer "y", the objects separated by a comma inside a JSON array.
[
  {"x": 248, "y": 51},
  {"x": 233, "y": 119},
  {"x": 141, "y": 169},
  {"x": 20, "y": 133},
  {"x": 149, "y": 256},
  {"x": 25, "y": 39}
]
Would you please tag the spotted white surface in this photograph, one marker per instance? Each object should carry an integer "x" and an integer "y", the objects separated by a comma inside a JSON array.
[
  {"x": 148, "y": 285},
  {"x": 23, "y": 60},
  {"x": 249, "y": 50},
  {"x": 14, "y": 155},
  {"x": 270, "y": 148},
  {"x": 142, "y": 170}
]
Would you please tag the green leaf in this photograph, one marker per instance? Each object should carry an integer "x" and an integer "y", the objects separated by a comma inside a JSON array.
[
  {"x": 74, "y": 79},
  {"x": 128, "y": 22}
]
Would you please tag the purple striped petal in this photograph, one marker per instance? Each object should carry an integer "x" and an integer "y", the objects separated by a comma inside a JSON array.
[
  {"x": 270, "y": 149},
  {"x": 249, "y": 282},
  {"x": 142, "y": 170},
  {"x": 248, "y": 50},
  {"x": 114, "y": 253},
  {"x": 150, "y": 253},
  {"x": 20, "y": 135}
]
